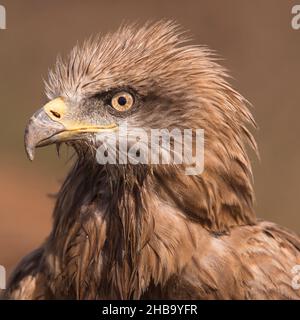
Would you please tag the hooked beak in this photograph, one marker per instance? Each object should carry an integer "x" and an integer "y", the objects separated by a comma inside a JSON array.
[{"x": 52, "y": 124}]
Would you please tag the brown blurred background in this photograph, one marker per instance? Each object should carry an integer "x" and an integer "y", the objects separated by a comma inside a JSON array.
[{"x": 258, "y": 45}]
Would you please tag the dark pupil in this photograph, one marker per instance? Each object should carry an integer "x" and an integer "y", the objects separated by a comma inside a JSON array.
[{"x": 122, "y": 101}]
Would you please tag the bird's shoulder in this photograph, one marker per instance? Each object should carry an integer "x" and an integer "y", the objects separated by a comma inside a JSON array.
[{"x": 249, "y": 262}]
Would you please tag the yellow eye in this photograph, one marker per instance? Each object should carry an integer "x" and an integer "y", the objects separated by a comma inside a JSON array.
[{"x": 122, "y": 101}]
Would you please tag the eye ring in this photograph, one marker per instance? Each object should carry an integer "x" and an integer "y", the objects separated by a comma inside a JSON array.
[{"x": 122, "y": 101}]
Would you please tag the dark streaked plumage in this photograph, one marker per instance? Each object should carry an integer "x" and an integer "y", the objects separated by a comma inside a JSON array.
[{"x": 152, "y": 231}]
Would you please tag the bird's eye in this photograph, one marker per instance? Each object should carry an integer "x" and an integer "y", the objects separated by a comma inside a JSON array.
[{"x": 122, "y": 101}]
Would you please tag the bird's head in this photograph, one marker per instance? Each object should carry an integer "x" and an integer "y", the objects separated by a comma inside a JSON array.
[{"x": 149, "y": 78}]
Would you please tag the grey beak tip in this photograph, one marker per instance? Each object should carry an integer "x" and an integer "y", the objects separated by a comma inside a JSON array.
[
  {"x": 31, "y": 156},
  {"x": 29, "y": 148},
  {"x": 30, "y": 153}
]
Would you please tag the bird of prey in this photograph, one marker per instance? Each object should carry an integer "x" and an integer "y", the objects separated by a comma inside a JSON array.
[{"x": 151, "y": 231}]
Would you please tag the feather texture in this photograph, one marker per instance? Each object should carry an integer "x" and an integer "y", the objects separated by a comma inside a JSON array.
[{"x": 135, "y": 232}]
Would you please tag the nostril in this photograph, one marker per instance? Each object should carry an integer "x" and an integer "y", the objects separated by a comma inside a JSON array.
[{"x": 56, "y": 114}]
